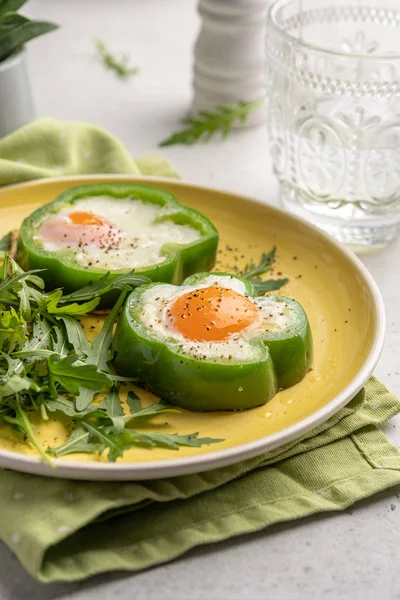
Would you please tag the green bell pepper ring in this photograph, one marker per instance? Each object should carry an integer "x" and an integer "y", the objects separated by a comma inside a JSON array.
[
  {"x": 63, "y": 270},
  {"x": 277, "y": 357}
]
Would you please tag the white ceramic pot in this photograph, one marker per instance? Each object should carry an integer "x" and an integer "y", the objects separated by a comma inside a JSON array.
[
  {"x": 16, "y": 105},
  {"x": 229, "y": 55}
]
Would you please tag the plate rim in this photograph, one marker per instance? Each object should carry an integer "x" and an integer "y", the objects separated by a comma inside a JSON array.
[{"x": 92, "y": 471}]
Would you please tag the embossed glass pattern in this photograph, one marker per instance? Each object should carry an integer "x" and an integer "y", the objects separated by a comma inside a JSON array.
[{"x": 334, "y": 114}]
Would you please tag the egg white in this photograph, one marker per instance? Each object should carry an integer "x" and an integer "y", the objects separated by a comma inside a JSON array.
[
  {"x": 238, "y": 347},
  {"x": 143, "y": 237}
]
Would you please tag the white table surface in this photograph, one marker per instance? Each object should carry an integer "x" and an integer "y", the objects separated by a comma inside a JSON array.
[{"x": 349, "y": 556}]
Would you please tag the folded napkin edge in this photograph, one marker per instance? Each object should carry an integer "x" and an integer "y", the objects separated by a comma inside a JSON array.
[{"x": 158, "y": 549}]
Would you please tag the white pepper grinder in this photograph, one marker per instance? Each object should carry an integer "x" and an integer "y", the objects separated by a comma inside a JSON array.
[{"x": 229, "y": 63}]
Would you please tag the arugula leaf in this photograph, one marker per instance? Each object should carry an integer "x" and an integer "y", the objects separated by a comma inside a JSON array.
[
  {"x": 116, "y": 443},
  {"x": 33, "y": 355},
  {"x": 72, "y": 376},
  {"x": 75, "y": 335},
  {"x": 261, "y": 287},
  {"x": 60, "y": 340},
  {"x": 15, "y": 384},
  {"x": 23, "y": 422},
  {"x": 41, "y": 336},
  {"x": 13, "y": 330},
  {"x": 125, "y": 282},
  {"x": 25, "y": 305},
  {"x": 84, "y": 398},
  {"x": 266, "y": 261},
  {"x": 252, "y": 271},
  {"x": 77, "y": 442},
  {"x": 113, "y": 407},
  {"x": 30, "y": 277},
  {"x": 12, "y": 280},
  {"x": 4, "y": 266},
  {"x": 137, "y": 411},
  {"x": 67, "y": 406},
  {"x": 99, "y": 354},
  {"x": 171, "y": 440},
  {"x": 133, "y": 402},
  {"x": 12, "y": 363},
  {"x": 205, "y": 124},
  {"x": 120, "y": 66},
  {"x": 70, "y": 309},
  {"x": 99, "y": 438}
]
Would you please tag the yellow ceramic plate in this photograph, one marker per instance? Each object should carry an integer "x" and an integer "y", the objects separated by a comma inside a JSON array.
[{"x": 341, "y": 300}]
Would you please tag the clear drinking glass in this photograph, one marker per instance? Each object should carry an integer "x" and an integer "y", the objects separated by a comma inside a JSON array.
[{"x": 334, "y": 114}]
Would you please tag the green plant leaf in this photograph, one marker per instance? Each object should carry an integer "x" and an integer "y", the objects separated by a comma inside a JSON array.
[
  {"x": 120, "y": 65},
  {"x": 115, "y": 443},
  {"x": 9, "y": 282},
  {"x": 12, "y": 363},
  {"x": 133, "y": 402},
  {"x": 13, "y": 330},
  {"x": 17, "y": 37},
  {"x": 33, "y": 355},
  {"x": 205, "y": 124},
  {"x": 41, "y": 336},
  {"x": 138, "y": 412},
  {"x": 171, "y": 440},
  {"x": 113, "y": 407},
  {"x": 266, "y": 261},
  {"x": 72, "y": 376},
  {"x": 70, "y": 309},
  {"x": 125, "y": 282},
  {"x": 22, "y": 420},
  {"x": 24, "y": 298},
  {"x": 75, "y": 335},
  {"x": 28, "y": 276},
  {"x": 77, "y": 442},
  {"x": 7, "y": 6},
  {"x": 99, "y": 354},
  {"x": 60, "y": 340},
  {"x": 11, "y": 20},
  {"x": 67, "y": 406},
  {"x": 252, "y": 271},
  {"x": 84, "y": 398},
  {"x": 269, "y": 285},
  {"x": 16, "y": 384}
]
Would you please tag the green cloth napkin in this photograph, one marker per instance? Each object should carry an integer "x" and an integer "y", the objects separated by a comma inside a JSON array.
[
  {"x": 51, "y": 148},
  {"x": 69, "y": 530}
]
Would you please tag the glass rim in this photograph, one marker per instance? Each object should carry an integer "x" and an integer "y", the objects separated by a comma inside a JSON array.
[{"x": 271, "y": 21}]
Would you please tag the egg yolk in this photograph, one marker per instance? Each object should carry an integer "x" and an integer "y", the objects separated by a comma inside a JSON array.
[
  {"x": 79, "y": 229},
  {"x": 85, "y": 218},
  {"x": 211, "y": 314}
]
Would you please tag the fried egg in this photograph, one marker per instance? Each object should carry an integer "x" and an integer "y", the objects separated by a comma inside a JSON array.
[
  {"x": 214, "y": 319},
  {"x": 112, "y": 234}
]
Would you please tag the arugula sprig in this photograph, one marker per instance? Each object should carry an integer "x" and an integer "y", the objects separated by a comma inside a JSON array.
[
  {"x": 120, "y": 65},
  {"x": 48, "y": 365},
  {"x": 252, "y": 272},
  {"x": 97, "y": 431},
  {"x": 206, "y": 124},
  {"x": 124, "y": 282}
]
